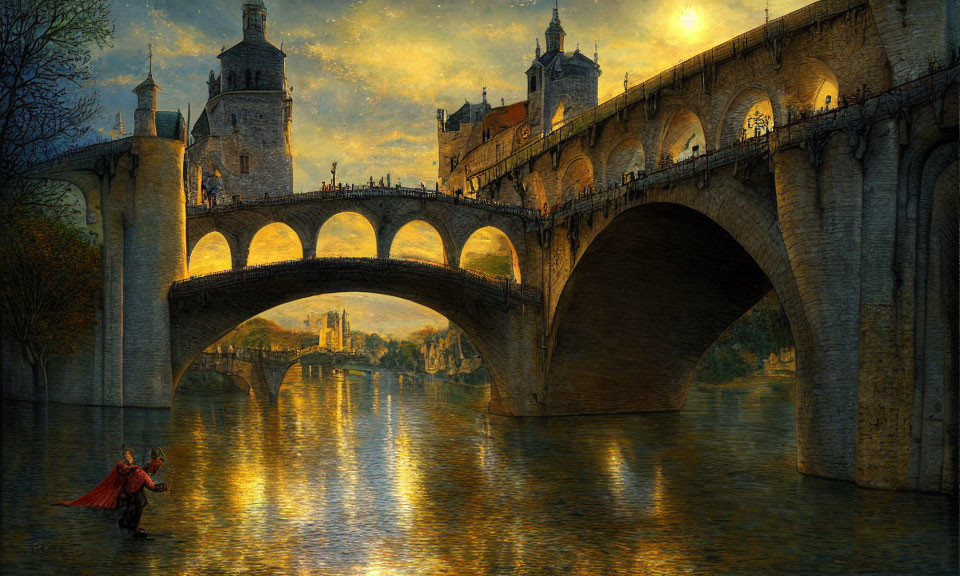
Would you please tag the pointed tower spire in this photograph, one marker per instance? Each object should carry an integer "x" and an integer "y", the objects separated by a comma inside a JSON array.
[
  {"x": 555, "y": 31},
  {"x": 144, "y": 118}
]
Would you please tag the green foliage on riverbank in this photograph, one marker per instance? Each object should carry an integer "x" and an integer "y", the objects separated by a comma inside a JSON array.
[
  {"x": 402, "y": 357},
  {"x": 265, "y": 334},
  {"x": 747, "y": 343}
]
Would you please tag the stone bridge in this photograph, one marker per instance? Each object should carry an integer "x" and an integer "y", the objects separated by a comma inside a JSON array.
[
  {"x": 263, "y": 371},
  {"x": 849, "y": 215}
]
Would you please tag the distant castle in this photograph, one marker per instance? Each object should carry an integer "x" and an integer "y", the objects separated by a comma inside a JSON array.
[
  {"x": 244, "y": 128},
  {"x": 333, "y": 330},
  {"x": 560, "y": 85}
]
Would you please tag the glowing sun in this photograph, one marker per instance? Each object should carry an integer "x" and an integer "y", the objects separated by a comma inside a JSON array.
[{"x": 688, "y": 21}]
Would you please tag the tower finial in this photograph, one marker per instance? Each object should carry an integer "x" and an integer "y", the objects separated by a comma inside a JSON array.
[
  {"x": 484, "y": 94},
  {"x": 596, "y": 55},
  {"x": 150, "y": 59}
]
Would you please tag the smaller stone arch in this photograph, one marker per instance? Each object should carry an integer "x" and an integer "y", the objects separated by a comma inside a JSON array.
[
  {"x": 811, "y": 82},
  {"x": 210, "y": 254},
  {"x": 682, "y": 136},
  {"x": 536, "y": 192},
  {"x": 403, "y": 248},
  {"x": 577, "y": 178},
  {"x": 355, "y": 236},
  {"x": 750, "y": 113},
  {"x": 274, "y": 242},
  {"x": 484, "y": 239},
  {"x": 626, "y": 156}
]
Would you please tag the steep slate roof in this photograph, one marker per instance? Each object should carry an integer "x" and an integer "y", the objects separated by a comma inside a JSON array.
[
  {"x": 169, "y": 124},
  {"x": 550, "y": 59}
]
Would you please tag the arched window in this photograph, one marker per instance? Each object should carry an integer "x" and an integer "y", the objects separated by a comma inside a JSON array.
[
  {"x": 247, "y": 84},
  {"x": 533, "y": 83}
]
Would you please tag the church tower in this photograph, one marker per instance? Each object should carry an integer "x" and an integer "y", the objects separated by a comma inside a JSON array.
[
  {"x": 244, "y": 129},
  {"x": 560, "y": 85}
]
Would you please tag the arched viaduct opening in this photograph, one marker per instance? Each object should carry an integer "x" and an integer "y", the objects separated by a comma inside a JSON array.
[
  {"x": 341, "y": 331},
  {"x": 648, "y": 297}
]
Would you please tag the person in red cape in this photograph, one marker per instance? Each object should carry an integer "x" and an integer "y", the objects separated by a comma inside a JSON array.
[{"x": 124, "y": 487}]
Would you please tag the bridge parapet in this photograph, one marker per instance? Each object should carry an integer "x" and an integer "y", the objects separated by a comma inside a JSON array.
[
  {"x": 809, "y": 133},
  {"x": 367, "y": 193}
]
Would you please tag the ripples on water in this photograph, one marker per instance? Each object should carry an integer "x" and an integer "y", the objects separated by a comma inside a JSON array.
[{"x": 370, "y": 476}]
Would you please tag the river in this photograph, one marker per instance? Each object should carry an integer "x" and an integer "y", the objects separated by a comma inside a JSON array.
[{"x": 367, "y": 475}]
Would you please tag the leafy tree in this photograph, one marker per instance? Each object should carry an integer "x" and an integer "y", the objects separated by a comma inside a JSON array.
[
  {"x": 743, "y": 346},
  {"x": 402, "y": 356},
  {"x": 50, "y": 280},
  {"x": 44, "y": 107}
]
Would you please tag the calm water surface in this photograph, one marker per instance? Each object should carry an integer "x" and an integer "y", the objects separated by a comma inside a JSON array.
[{"x": 370, "y": 476}]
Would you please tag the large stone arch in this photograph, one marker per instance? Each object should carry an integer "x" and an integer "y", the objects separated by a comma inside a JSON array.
[
  {"x": 517, "y": 277},
  {"x": 651, "y": 293},
  {"x": 211, "y": 236},
  {"x": 577, "y": 176},
  {"x": 627, "y": 155},
  {"x": 369, "y": 225},
  {"x": 203, "y": 312},
  {"x": 737, "y": 110},
  {"x": 729, "y": 229}
]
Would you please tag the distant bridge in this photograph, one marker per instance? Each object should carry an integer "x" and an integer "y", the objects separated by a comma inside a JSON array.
[{"x": 263, "y": 371}]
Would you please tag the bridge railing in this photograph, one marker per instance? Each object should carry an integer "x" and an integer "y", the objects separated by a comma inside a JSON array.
[
  {"x": 492, "y": 284},
  {"x": 364, "y": 192},
  {"x": 779, "y": 27},
  {"x": 799, "y": 130}
]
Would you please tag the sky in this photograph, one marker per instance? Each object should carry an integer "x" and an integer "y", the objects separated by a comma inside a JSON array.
[{"x": 369, "y": 75}]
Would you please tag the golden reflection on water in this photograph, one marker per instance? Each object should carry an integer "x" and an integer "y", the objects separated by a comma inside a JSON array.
[{"x": 351, "y": 474}]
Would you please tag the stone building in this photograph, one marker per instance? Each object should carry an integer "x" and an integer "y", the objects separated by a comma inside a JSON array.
[
  {"x": 334, "y": 331},
  {"x": 244, "y": 128},
  {"x": 560, "y": 85}
]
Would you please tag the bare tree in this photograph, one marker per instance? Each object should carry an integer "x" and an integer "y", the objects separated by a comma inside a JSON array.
[{"x": 44, "y": 103}]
